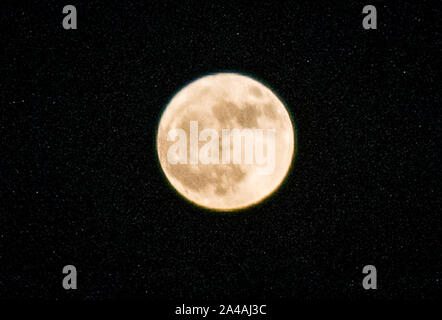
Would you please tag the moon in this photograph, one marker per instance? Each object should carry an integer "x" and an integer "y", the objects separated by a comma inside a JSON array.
[{"x": 226, "y": 101}]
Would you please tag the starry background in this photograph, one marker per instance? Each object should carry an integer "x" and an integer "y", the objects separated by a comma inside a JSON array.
[{"x": 80, "y": 181}]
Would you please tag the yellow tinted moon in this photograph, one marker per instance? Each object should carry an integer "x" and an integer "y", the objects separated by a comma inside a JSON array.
[{"x": 219, "y": 101}]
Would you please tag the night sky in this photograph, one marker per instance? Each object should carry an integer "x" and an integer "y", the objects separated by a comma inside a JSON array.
[{"x": 80, "y": 182}]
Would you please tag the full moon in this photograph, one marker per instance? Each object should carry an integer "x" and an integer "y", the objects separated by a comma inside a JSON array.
[{"x": 225, "y": 101}]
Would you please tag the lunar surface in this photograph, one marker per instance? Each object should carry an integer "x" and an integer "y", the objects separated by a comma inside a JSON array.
[{"x": 225, "y": 101}]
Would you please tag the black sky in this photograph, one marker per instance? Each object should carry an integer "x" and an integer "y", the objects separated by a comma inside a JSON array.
[{"x": 81, "y": 184}]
